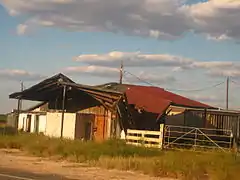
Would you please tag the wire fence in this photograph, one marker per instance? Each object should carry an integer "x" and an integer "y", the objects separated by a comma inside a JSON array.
[{"x": 182, "y": 137}]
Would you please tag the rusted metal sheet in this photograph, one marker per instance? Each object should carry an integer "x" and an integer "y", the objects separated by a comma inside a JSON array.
[
  {"x": 147, "y": 101},
  {"x": 155, "y": 92},
  {"x": 99, "y": 132},
  {"x": 100, "y": 121},
  {"x": 98, "y": 110}
]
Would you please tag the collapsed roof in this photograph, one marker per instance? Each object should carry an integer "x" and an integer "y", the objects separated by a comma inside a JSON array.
[
  {"x": 52, "y": 89},
  {"x": 151, "y": 99}
]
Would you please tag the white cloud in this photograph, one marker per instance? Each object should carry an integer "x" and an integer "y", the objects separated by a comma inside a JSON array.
[
  {"x": 133, "y": 59},
  {"x": 218, "y": 19},
  {"x": 19, "y": 75},
  {"x": 114, "y": 73},
  {"x": 177, "y": 63},
  {"x": 213, "y": 64},
  {"x": 93, "y": 70},
  {"x": 225, "y": 72},
  {"x": 212, "y": 99},
  {"x": 21, "y": 29}
]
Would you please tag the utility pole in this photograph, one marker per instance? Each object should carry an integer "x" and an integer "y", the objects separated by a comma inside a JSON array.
[
  {"x": 19, "y": 106},
  {"x": 121, "y": 73},
  {"x": 227, "y": 92},
  {"x": 19, "y": 99}
]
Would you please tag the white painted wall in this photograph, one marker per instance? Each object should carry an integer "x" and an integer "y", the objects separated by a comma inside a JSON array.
[
  {"x": 32, "y": 128},
  {"x": 69, "y": 125},
  {"x": 21, "y": 122},
  {"x": 53, "y": 125},
  {"x": 42, "y": 123},
  {"x": 109, "y": 120}
]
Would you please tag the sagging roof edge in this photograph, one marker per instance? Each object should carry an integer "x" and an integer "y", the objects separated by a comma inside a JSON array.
[
  {"x": 90, "y": 88},
  {"x": 71, "y": 84},
  {"x": 17, "y": 95},
  {"x": 99, "y": 94}
]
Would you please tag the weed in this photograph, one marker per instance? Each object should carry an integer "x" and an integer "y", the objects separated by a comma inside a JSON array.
[{"x": 115, "y": 154}]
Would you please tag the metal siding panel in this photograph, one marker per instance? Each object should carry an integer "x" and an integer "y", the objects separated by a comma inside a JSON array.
[{"x": 99, "y": 124}]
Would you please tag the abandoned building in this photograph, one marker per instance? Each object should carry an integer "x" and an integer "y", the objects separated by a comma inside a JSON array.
[{"x": 100, "y": 112}]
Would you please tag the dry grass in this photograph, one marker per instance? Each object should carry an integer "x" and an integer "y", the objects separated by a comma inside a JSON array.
[{"x": 118, "y": 155}]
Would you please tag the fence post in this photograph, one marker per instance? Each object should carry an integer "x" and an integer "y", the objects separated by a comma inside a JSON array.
[
  {"x": 161, "y": 136},
  {"x": 195, "y": 139},
  {"x": 169, "y": 134},
  {"x": 143, "y": 139}
]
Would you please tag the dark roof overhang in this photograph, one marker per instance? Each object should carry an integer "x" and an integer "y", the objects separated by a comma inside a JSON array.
[{"x": 52, "y": 88}]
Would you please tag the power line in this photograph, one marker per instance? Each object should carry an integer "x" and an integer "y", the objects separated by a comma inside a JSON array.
[
  {"x": 140, "y": 79},
  {"x": 201, "y": 89},
  {"x": 126, "y": 80},
  {"x": 169, "y": 89}
]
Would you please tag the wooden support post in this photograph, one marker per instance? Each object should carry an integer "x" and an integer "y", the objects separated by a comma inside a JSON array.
[
  {"x": 161, "y": 137},
  {"x": 63, "y": 109}
]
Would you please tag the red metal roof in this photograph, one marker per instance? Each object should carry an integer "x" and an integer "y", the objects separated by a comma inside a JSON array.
[
  {"x": 154, "y": 99},
  {"x": 146, "y": 101}
]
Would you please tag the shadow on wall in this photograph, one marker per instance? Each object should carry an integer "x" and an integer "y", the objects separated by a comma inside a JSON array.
[
  {"x": 189, "y": 119},
  {"x": 73, "y": 105},
  {"x": 144, "y": 120}
]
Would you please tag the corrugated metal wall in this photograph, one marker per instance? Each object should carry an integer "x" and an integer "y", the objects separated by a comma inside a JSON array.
[{"x": 218, "y": 120}]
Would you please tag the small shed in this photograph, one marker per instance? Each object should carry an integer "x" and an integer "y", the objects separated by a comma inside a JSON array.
[{"x": 75, "y": 111}]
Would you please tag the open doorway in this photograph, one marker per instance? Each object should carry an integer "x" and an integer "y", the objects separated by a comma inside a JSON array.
[
  {"x": 36, "y": 127},
  {"x": 84, "y": 126},
  {"x": 28, "y": 128},
  {"x": 88, "y": 130}
]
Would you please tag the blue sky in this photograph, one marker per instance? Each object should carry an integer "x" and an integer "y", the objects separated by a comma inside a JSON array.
[{"x": 169, "y": 44}]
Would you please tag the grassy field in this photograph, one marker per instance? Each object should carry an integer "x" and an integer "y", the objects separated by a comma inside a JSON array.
[{"x": 117, "y": 155}]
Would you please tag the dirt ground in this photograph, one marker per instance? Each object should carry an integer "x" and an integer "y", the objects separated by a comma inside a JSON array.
[{"x": 16, "y": 159}]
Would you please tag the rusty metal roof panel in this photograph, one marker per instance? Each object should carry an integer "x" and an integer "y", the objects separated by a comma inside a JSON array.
[
  {"x": 146, "y": 101},
  {"x": 154, "y": 98}
]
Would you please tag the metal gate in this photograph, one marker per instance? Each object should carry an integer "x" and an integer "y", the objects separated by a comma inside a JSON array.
[{"x": 182, "y": 137}]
